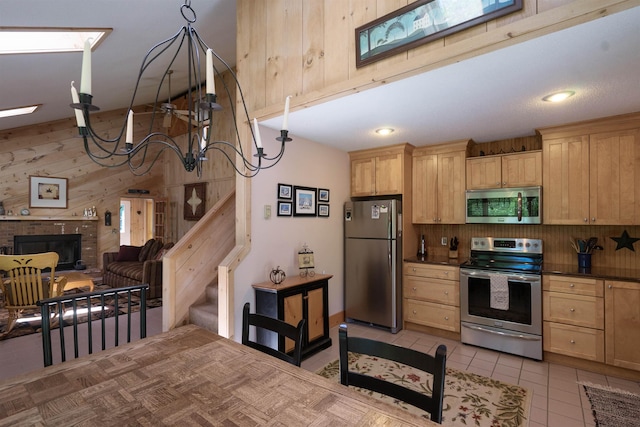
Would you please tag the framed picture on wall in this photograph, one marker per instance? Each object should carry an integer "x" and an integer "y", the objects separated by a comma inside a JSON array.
[
  {"x": 284, "y": 191},
  {"x": 323, "y": 195},
  {"x": 304, "y": 201},
  {"x": 284, "y": 208},
  {"x": 195, "y": 196},
  {"x": 47, "y": 192},
  {"x": 323, "y": 210}
]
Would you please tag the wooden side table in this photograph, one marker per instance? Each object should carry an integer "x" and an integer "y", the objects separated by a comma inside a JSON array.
[
  {"x": 77, "y": 280},
  {"x": 294, "y": 299}
]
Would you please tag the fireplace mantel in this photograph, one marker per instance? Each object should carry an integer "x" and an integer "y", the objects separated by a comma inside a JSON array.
[{"x": 47, "y": 218}]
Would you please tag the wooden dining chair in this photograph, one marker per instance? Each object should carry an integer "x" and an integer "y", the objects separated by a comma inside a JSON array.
[
  {"x": 435, "y": 365},
  {"x": 25, "y": 284},
  {"x": 280, "y": 327}
]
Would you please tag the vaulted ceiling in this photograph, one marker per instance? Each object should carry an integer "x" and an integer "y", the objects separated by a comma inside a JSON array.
[{"x": 493, "y": 96}]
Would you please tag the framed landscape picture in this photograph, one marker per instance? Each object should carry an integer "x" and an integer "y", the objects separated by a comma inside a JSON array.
[
  {"x": 284, "y": 191},
  {"x": 47, "y": 192},
  {"x": 304, "y": 201},
  {"x": 284, "y": 208},
  {"x": 323, "y": 210}
]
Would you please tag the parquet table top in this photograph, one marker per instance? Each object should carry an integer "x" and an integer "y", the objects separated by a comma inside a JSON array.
[{"x": 187, "y": 376}]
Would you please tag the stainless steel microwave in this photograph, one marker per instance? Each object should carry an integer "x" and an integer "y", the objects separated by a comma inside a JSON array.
[{"x": 505, "y": 206}]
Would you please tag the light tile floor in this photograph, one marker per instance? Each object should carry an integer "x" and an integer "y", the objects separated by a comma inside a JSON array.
[{"x": 558, "y": 400}]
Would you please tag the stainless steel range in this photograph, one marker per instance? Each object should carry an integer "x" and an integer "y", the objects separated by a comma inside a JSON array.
[{"x": 501, "y": 295}]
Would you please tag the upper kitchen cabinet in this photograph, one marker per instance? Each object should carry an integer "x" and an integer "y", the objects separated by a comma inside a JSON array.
[
  {"x": 380, "y": 171},
  {"x": 508, "y": 170},
  {"x": 591, "y": 172},
  {"x": 439, "y": 183}
]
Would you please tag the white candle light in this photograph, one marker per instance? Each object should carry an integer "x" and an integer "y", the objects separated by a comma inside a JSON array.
[
  {"x": 285, "y": 120},
  {"x": 76, "y": 100},
  {"x": 257, "y": 132},
  {"x": 203, "y": 141},
  {"x": 211, "y": 84},
  {"x": 129, "y": 137},
  {"x": 85, "y": 81}
]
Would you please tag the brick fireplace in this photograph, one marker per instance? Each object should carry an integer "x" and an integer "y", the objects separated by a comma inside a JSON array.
[{"x": 24, "y": 226}]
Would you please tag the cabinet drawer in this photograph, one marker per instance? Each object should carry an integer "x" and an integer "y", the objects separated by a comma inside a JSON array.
[
  {"x": 434, "y": 290},
  {"x": 431, "y": 314},
  {"x": 578, "y": 310},
  {"x": 573, "y": 285},
  {"x": 584, "y": 343},
  {"x": 432, "y": 270}
]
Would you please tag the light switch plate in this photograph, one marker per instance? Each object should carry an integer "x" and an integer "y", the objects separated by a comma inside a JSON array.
[
  {"x": 443, "y": 241},
  {"x": 267, "y": 211}
]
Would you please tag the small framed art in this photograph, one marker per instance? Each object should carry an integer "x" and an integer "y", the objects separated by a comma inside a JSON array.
[
  {"x": 323, "y": 210},
  {"x": 284, "y": 208},
  {"x": 195, "y": 196},
  {"x": 323, "y": 195},
  {"x": 47, "y": 192},
  {"x": 284, "y": 191},
  {"x": 304, "y": 201}
]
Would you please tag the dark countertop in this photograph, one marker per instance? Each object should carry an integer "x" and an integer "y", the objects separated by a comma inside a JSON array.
[
  {"x": 607, "y": 273},
  {"x": 436, "y": 259}
]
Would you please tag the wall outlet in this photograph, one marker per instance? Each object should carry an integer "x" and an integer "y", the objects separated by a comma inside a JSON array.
[{"x": 443, "y": 241}]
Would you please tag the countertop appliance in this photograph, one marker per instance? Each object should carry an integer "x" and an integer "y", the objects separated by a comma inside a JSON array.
[
  {"x": 501, "y": 295},
  {"x": 504, "y": 206},
  {"x": 373, "y": 263}
]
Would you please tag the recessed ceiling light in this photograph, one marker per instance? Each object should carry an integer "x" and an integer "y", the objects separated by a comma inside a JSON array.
[
  {"x": 385, "y": 131},
  {"x": 559, "y": 96},
  {"x": 15, "y": 40},
  {"x": 10, "y": 112}
]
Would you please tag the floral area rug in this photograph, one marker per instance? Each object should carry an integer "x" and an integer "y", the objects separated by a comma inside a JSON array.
[
  {"x": 29, "y": 321},
  {"x": 612, "y": 407},
  {"x": 469, "y": 399}
]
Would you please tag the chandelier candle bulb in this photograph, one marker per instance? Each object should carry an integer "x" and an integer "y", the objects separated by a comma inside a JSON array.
[
  {"x": 211, "y": 85},
  {"x": 257, "y": 132},
  {"x": 285, "y": 120},
  {"x": 85, "y": 82},
  {"x": 203, "y": 141},
  {"x": 76, "y": 100},
  {"x": 129, "y": 137}
]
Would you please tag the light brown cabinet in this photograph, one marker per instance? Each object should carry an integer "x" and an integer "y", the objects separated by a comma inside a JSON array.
[
  {"x": 379, "y": 172},
  {"x": 573, "y": 317},
  {"x": 438, "y": 184},
  {"x": 508, "y": 170},
  {"x": 622, "y": 323},
  {"x": 591, "y": 172},
  {"x": 431, "y": 295}
]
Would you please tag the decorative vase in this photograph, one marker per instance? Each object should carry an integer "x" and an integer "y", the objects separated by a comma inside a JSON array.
[{"x": 584, "y": 260}]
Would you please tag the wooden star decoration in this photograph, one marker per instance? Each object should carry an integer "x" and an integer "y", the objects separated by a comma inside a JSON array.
[{"x": 625, "y": 241}]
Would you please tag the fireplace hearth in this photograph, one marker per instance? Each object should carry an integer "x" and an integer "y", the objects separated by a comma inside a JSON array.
[{"x": 68, "y": 247}]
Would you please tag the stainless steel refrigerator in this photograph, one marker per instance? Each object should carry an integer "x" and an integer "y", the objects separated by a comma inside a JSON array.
[{"x": 373, "y": 263}]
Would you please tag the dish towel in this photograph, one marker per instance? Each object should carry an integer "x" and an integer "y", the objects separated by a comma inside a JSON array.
[{"x": 499, "y": 292}]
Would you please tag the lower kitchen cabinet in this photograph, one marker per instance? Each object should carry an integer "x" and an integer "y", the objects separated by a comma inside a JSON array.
[
  {"x": 294, "y": 299},
  {"x": 431, "y": 294},
  {"x": 622, "y": 323},
  {"x": 573, "y": 317}
]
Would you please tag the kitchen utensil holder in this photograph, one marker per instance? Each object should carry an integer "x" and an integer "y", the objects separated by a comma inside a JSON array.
[{"x": 584, "y": 260}]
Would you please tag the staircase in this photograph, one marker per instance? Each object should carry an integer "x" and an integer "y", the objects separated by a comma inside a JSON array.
[{"x": 205, "y": 314}]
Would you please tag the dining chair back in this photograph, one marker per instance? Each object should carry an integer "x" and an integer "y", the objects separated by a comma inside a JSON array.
[
  {"x": 24, "y": 283},
  {"x": 434, "y": 365},
  {"x": 92, "y": 321},
  {"x": 280, "y": 327}
]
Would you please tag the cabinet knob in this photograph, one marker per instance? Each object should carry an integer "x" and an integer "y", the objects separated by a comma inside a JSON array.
[
  {"x": 446, "y": 317},
  {"x": 446, "y": 292},
  {"x": 414, "y": 288},
  {"x": 572, "y": 341},
  {"x": 504, "y": 183},
  {"x": 572, "y": 310},
  {"x": 498, "y": 183},
  {"x": 414, "y": 312},
  {"x": 414, "y": 269},
  {"x": 593, "y": 219},
  {"x": 610, "y": 286},
  {"x": 446, "y": 273},
  {"x": 586, "y": 220},
  {"x": 572, "y": 285}
]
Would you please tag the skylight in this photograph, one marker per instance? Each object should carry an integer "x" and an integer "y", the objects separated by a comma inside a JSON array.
[
  {"x": 17, "y": 40},
  {"x": 18, "y": 111}
]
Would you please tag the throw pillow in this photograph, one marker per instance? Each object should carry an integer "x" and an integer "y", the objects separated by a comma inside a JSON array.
[
  {"x": 144, "y": 252},
  {"x": 128, "y": 253},
  {"x": 155, "y": 248}
]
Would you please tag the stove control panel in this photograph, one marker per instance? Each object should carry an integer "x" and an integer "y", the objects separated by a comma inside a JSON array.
[{"x": 505, "y": 244}]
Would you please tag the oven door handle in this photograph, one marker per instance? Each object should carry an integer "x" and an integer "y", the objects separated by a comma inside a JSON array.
[
  {"x": 507, "y": 334},
  {"x": 521, "y": 277}
]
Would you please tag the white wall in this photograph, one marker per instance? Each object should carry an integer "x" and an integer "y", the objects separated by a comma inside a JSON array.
[{"x": 276, "y": 241}]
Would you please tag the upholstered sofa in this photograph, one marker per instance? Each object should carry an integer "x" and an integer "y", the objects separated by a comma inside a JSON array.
[{"x": 134, "y": 265}]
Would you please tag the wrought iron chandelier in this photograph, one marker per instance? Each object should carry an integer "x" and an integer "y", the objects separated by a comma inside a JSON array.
[{"x": 199, "y": 138}]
